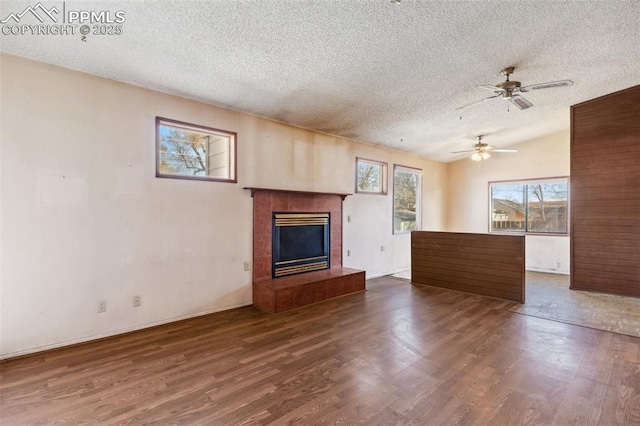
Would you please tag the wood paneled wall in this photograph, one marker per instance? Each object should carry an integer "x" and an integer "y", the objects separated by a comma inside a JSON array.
[
  {"x": 486, "y": 264},
  {"x": 605, "y": 194}
]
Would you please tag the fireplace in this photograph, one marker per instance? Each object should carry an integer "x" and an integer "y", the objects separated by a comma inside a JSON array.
[
  {"x": 300, "y": 243},
  {"x": 267, "y": 202},
  {"x": 301, "y": 232}
]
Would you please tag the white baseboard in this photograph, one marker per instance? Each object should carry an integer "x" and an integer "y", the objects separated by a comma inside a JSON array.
[
  {"x": 384, "y": 274},
  {"x": 370, "y": 277},
  {"x": 549, "y": 271}
]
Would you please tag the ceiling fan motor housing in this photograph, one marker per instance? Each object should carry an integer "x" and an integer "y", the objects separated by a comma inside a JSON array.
[{"x": 509, "y": 85}]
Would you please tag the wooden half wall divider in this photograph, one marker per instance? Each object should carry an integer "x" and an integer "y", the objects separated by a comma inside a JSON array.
[{"x": 485, "y": 264}]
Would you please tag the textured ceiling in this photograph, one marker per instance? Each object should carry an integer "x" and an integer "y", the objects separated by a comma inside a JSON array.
[{"x": 383, "y": 73}]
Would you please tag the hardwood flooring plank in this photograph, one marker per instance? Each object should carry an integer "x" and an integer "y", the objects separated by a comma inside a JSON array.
[{"x": 397, "y": 354}]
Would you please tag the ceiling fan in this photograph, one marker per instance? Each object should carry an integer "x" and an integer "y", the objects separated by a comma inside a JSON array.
[
  {"x": 481, "y": 151},
  {"x": 509, "y": 90}
]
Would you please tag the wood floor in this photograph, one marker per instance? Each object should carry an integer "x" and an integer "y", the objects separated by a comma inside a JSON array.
[{"x": 397, "y": 354}]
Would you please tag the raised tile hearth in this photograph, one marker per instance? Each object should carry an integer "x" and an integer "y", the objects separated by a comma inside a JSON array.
[{"x": 281, "y": 294}]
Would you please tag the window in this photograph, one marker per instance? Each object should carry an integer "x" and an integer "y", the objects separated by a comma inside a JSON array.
[
  {"x": 535, "y": 206},
  {"x": 407, "y": 191},
  {"x": 188, "y": 151},
  {"x": 371, "y": 176}
]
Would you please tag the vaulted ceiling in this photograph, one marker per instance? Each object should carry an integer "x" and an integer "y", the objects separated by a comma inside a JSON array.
[{"x": 381, "y": 72}]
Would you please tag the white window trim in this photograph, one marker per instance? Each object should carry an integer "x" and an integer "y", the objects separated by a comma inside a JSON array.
[
  {"x": 559, "y": 179},
  {"x": 418, "y": 198}
]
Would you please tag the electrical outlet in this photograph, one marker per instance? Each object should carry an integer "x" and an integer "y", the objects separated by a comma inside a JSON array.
[
  {"x": 137, "y": 301},
  {"x": 558, "y": 265},
  {"x": 381, "y": 248},
  {"x": 349, "y": 218},
  {"x": 247, "y": 266},
  {"x": 102, "y": 306},
  {"x": 348, "y": 253}
]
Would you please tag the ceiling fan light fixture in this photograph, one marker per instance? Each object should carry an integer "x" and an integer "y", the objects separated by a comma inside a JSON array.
[{"x": 482, "y": 151}]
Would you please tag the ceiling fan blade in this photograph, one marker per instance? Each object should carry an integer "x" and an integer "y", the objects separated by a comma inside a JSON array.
[
  {"x": 520, "y": 102},
  {"x": 504, "y": 150},
  {"x": 463, "y": 152},
  {"x": 477, "y": 102},
  {"x": 549, "y": 85},
  {"x": 490, "y": 87}
]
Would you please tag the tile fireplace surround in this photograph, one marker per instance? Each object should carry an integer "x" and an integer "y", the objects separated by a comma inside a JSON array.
[{"x": 278, "y": 294}]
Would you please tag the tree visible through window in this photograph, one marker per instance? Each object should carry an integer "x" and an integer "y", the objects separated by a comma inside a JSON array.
[
  {"x": 539, "y": 206},
  {"x": 194, "y": 152},
  {"x": 371, "y": 176},
  {"x": 407, "y": 190}
]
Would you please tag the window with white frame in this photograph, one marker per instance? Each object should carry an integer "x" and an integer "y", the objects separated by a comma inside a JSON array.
[
  {"x": 407, "y": 199},
  {"x": 538, "y": 206},
  {"x": 371, "y": 176}
]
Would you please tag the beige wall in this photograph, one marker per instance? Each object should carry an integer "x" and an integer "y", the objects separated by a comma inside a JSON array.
[
  {"x": 84, "y": 219},
  {"x": 468, "y": 194},
  {"x": 370, "y": 230}
]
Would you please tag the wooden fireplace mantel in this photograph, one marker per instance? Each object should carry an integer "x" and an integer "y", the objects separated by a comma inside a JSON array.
[{"x": 254, "y": 189}]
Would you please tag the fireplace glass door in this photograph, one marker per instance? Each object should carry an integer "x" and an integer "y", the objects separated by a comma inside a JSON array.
[{"x": 300, "y": 243}]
